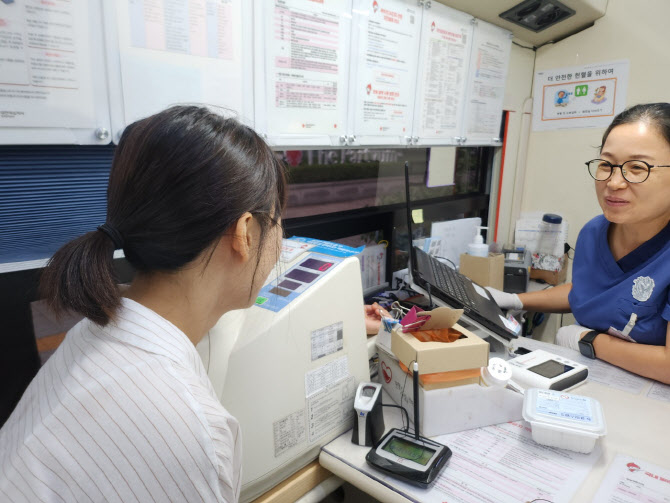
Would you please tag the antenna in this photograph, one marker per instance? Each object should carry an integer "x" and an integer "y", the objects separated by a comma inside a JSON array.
[{"x": 408, "y": 208}]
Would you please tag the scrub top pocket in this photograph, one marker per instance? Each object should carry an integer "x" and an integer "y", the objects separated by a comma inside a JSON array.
[{"x": 647, "y": 318}]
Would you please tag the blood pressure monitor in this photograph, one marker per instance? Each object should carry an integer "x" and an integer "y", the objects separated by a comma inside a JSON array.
[{"x": 541, "y": 369}]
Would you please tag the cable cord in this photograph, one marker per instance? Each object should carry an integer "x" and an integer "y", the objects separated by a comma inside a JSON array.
[{"x": 405, "y": 427}]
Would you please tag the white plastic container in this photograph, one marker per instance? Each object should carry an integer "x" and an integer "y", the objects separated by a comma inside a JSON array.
[
  {"x": 564, "y": 420},
  {"x": 478, "y": 248},
  {"x": 550, "y": 231}
]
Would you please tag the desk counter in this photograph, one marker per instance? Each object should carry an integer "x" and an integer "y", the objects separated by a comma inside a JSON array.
[{"x": 637, "y": 426}]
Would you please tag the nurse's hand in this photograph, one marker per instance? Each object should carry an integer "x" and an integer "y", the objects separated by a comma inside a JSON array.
[
  {"x": 373, "y": 318},
  {"x": 569, "y": 336},
  {"x": 506, "y": 300}
]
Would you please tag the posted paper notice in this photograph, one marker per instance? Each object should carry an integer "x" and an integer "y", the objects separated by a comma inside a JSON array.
[{"x": 631, "y": 480}]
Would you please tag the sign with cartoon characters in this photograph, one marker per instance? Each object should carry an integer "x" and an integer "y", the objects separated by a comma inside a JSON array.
[{"x": 579, "y": 97}]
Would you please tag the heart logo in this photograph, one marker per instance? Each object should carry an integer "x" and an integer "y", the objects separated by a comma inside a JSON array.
[{"x": 386, "y": 370}]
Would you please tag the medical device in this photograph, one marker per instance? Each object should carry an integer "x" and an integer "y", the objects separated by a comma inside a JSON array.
[
  {"x": 369, "y": 417},
  {"x": 408, "y": 456},
  {"x": 541, "y": 369},
  {"x": 288, "y": 367}
]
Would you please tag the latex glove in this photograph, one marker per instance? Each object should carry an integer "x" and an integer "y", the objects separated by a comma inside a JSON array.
[
  {"x": 373, "y": 318},
  {"x": 569, "y": 336},
  {"x": 506, "y": 300}
]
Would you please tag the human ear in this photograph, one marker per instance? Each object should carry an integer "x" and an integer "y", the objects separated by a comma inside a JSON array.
[{"x": 242, "y": 237}]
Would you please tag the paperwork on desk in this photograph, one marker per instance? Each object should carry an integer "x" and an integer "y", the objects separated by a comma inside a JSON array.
[
  {"x": 498, "y": 463},
  {"x": 659, "y": 391},
  {"x": 631, "y": 480},
  {"x": 599, "y": 371}
]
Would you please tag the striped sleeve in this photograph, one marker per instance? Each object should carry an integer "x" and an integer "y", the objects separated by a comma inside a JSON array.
[{"x": 104, "y": 421}]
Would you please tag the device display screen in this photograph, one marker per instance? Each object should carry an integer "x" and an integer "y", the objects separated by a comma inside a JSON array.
[
  {"x": 291, "y": 285},
  {"x": 368, "y": 391},
  {"x": 300, "y": 275},
  {"x": 317, "y": 265},
  {"x": 551, "y": 369},
  {"x": 280, "y": 291},
  {"x": 409, "y": 450}
]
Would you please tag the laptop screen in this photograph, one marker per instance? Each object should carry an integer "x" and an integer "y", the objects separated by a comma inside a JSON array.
[{"x": 487, "y": 313}]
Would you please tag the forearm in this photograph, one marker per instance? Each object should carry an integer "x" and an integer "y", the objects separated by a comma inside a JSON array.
[
  {"x": 551, "y": 300},
  {"x": 645, "y": 360}
]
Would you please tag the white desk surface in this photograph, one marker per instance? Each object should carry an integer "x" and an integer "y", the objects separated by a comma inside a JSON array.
[{"x": 637, "y": 426}]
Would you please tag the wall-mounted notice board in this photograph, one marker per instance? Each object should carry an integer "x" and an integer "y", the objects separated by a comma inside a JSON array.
[
  {"x": 166, "y": 52},
  {"x": 52, "y": 73}
]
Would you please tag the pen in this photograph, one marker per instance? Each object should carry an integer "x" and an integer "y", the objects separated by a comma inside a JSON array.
[{"x": 415, "y": 378}]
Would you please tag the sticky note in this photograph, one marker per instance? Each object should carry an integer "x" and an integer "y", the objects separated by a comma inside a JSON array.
[{"x": 417, "y": 216}]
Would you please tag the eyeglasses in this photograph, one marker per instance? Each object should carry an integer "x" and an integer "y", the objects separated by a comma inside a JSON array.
[{"x": 633, "y": 171}]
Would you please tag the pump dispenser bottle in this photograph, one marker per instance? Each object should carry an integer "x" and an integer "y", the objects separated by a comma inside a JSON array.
[{"x": 478, "y": 248}]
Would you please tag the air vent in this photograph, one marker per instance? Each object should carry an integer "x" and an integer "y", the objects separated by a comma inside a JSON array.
[{"x": 537, "y": 15}]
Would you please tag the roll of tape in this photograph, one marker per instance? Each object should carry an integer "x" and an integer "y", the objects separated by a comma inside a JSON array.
[{"x": 497, "y": 373}]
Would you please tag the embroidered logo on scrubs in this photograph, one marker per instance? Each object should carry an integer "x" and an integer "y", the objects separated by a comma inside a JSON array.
[{"x": 642, "y": 288}]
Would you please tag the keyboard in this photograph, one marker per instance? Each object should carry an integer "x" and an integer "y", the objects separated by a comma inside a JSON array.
[{"x": 450, "y": 282}]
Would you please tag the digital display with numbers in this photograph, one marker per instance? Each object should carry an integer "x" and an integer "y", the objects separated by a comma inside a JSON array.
[
  {"x": 300, "y": 275},
  {"x": 550, "y": 369},
  {"x": 317, "y": 265}
]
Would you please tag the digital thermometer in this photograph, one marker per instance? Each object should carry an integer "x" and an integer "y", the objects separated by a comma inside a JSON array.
[{"x": 541, "y": 369}]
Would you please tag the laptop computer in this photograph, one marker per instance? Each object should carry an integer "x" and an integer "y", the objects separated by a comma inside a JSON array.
[{"x": 450, "y": 286}]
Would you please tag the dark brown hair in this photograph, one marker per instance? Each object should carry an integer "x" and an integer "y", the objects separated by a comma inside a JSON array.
[
  {"x": 654, "y": 114},
  {"x": 179, "y": 180}
]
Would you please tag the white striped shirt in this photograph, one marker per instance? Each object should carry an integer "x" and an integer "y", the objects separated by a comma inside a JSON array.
[{"x": 121, "y": 413}]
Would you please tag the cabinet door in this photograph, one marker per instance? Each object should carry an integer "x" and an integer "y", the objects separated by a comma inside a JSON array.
[
  {"x": 166, "y": 52},
  {"x": 446, "y": 39},
  {"x": 302, "y": 71},
  {"x": 489, "y": 61},
  {"x": 52, "y": 73},
  {"x": 384, "y": 59}
]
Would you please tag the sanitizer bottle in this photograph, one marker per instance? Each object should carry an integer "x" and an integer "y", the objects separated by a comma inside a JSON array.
[{"x": 478, "y": 248}]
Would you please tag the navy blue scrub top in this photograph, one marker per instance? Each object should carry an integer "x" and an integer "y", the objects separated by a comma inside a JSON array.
[{"x": 605, "y": 292}]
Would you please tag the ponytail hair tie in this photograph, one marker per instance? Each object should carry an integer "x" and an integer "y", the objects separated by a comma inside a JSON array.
[{"x": 113, "y": 234}]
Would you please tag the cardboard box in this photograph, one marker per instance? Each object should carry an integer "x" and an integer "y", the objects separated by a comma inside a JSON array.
[
  {"x": 485, "y": 271},
  {"x": 441, "y": 380},
  {"x": 452, "y": 409},
  {"x": 466, "y": 353},
  {"x": 551, "y": 277}
]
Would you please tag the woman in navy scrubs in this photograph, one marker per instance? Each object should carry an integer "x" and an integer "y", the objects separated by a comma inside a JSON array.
[{"x": 621, "y": 272}]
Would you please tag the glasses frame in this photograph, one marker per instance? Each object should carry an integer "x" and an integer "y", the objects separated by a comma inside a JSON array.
[{"x": 623, "y": 173}]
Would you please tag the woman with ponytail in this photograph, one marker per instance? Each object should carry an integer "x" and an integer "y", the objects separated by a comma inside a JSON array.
[{"x": 124, "y": 411}]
